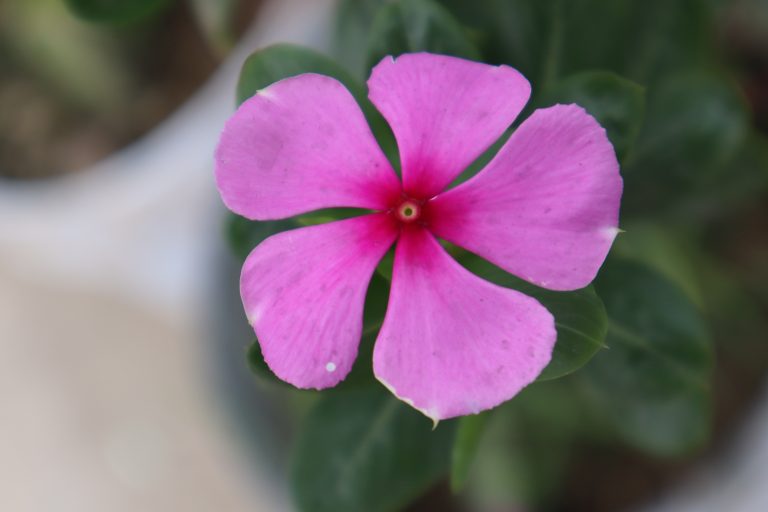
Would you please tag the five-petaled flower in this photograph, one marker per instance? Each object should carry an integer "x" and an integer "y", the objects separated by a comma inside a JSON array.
[{"x": 545, "y": 209}]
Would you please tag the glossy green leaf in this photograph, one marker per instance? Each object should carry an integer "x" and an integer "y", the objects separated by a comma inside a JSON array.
[
  {"x": 580, "y": 317},
  {"x": 403, "y": 26},
  {"x": 279, "y": 61},
  {"x": 468, "y": 436},
  {"x": 243, "y": 234},
  {"x": 653, "y": 383},
  {"x": 364, "y": 450},
  {"x": 116, "y": 11},
  {"x": 273, "y": 63},
  {"x": 618, "y": 104}
]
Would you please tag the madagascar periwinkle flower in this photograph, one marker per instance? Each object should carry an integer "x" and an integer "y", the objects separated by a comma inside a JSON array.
[{"x": 544, "y": 209}]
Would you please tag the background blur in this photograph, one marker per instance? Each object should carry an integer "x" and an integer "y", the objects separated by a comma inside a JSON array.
[{"x": 123, "y": 378}]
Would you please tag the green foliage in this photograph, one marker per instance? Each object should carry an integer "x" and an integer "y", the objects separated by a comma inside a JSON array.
[
  {"x": 695, "y": 125},
  {"x": 268, "y": 65},
  {"x": 351, "y": 32},
  {"x": 580, "y": 317},
  {"x": 243, "y": 234},
  {"x": 653, "y": 383},
  {"x": 514, "y": 32},
  {"x": 403, "y": 26},
  {"x": 468, "y": 436},
  {"x": 525, "y": 448},
  {"x": 365, "y": 450},
  {"x": 116, "y": 11}
]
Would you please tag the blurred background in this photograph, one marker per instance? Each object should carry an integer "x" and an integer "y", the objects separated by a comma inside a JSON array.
[{"x": 124, "y": 383}]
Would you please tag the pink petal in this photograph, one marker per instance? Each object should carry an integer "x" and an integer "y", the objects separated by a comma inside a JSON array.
[
  {"x": 301, "y": 144},
  {"x": 303, "y": 292},
  {"x": 546, "y": 208},
  {"x": 453, "y": 344},
  {"x": 444, "y": 112}
]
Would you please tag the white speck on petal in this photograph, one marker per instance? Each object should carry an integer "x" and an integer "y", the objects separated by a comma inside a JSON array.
[{"x": 330, "y": 367}]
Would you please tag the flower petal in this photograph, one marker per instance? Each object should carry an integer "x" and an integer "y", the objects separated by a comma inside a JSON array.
[
  {"x": 451, "y": 343},
  {"x": 303, "y": 292},
  {"x": 444, "y": 112},
  {"x": 546, "y": 208},
  {"x": 299, "y": 145}
]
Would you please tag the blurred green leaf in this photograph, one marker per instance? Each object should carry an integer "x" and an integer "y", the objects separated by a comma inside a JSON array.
[
  {"x": 468, "y": 435},
  {"x": 404, "y": 26},
  {"x": 328, "y": 215},
  {"x": 514, "y": 32},
  {"x": 273, "y": 63},
  {"x": 639, "y": 39},
  {"x": 667, "y": 250},
  {"x": 243, "y": 234},
  {"x": 695, "y": 123},
  {"x": 353, "y": 19},
  {"x": 116, "y": 11},
  {"x": 279, "y": 61},
  {"x": 580, "y": 317},
  {"x": 653, "y": 383},
  {"x": 363, "y": 450},
  {"x": 525, "y": 448},
  {"x": 618, "y": 104}
]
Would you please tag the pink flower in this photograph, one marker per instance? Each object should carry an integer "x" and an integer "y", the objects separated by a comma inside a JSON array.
[{"x": 545, "y": 209}]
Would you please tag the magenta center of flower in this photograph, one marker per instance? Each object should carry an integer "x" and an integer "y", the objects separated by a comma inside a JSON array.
[{"x": 408, "y": 211}]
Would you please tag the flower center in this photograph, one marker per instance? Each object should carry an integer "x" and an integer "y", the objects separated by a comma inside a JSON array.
[{"x": 408, "y": 211}]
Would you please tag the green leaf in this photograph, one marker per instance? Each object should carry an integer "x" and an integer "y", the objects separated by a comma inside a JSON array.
[
  {"x": 353, "y": 19},
  {"x": 468, "y": 435},
  {"x": 404, "y": 26},
  {"x": 279, "y": 61},
  {"x": 514, "y": 32},
  {"x": 328, "y": 215},
  {"x": 695, "y": 124},
  {"x": 363, "y": 450},
  {"x": 618, "y": 104},
  {"x": 116, "y": 11},
  {"x": 643, "y": 40},
  {"x": 580, "y": 317},
  {"x": 653, "y": 383},
  {"x": 671, "y": 252},
  {"x": 525, "y": 448},
  {"x": 243, "y": 234},
  {"x": 273, "y": 63}
]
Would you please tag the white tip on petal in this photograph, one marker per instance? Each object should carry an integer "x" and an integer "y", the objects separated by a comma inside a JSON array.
[
  {"x": 610, "y": 232},
  {"x": 265, "y": 93},
  {"x": 253, "y": 315}
]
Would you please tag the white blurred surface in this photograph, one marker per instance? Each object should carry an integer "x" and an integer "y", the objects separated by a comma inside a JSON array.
[{"x": 106, "y": 403}]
